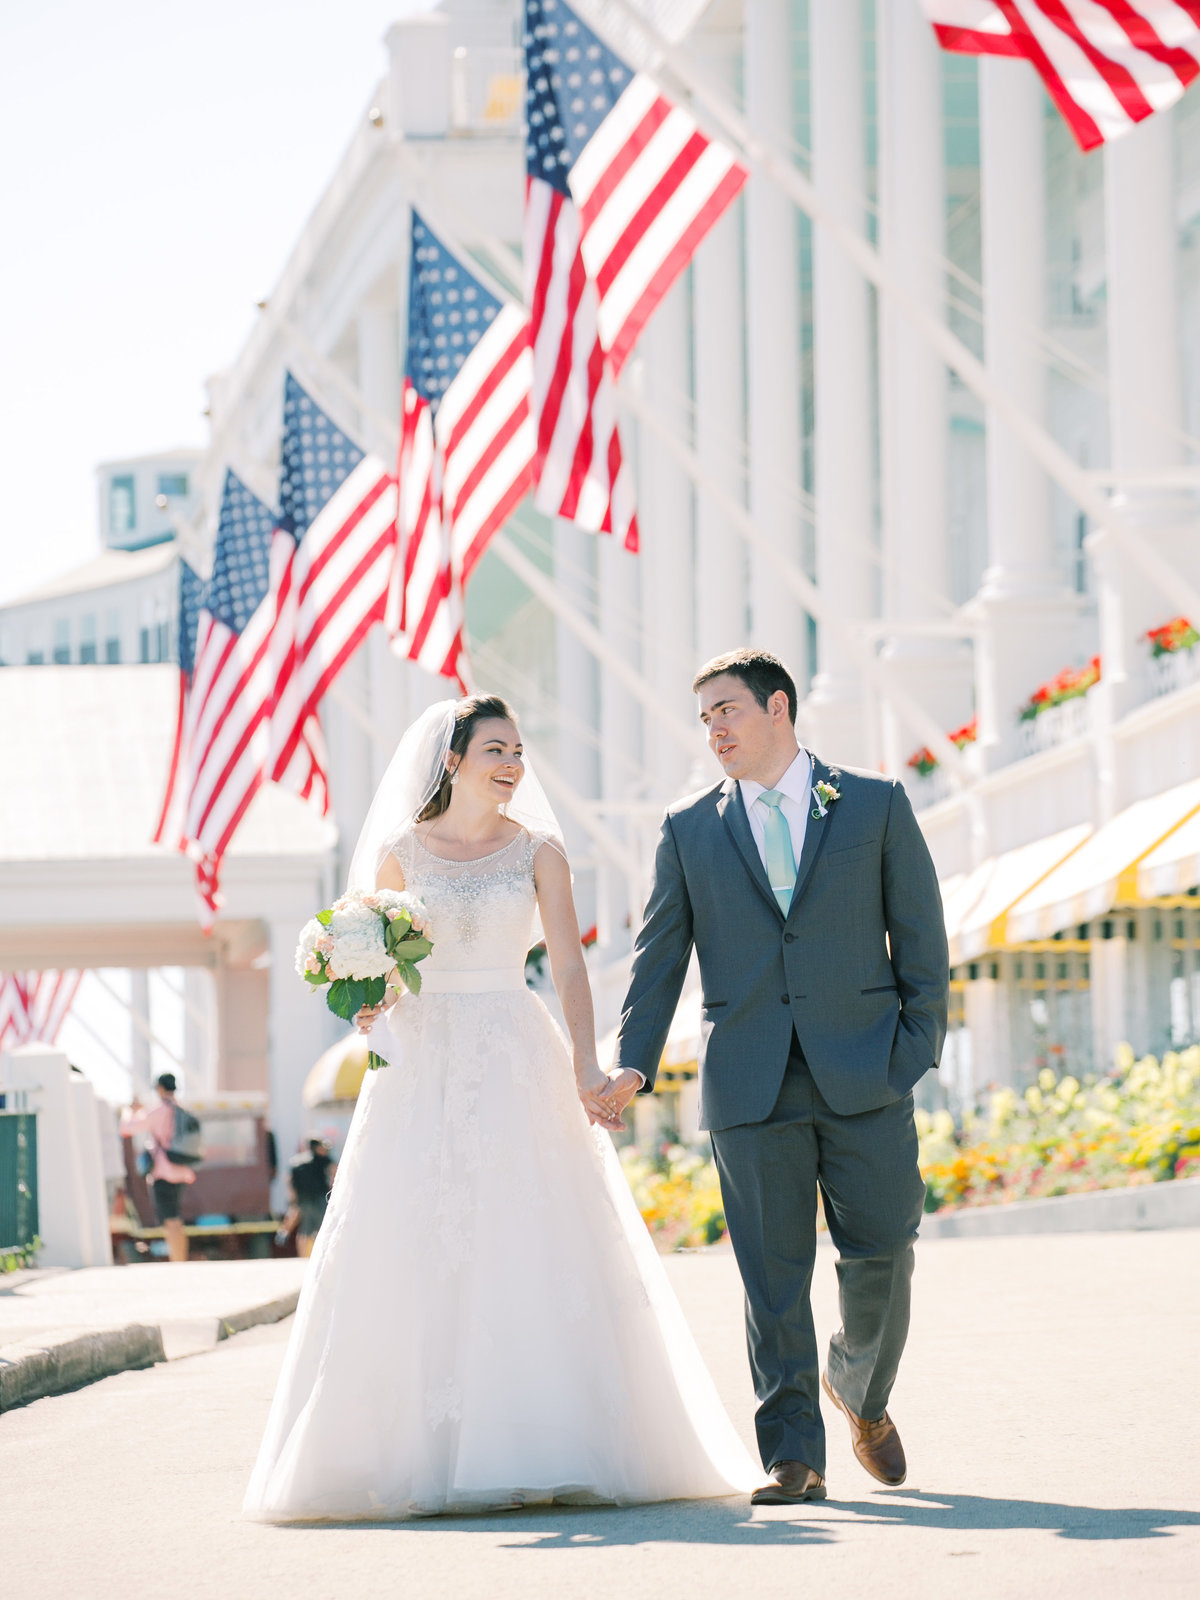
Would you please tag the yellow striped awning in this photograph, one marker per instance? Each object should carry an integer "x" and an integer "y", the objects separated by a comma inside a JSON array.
[
  {"x": 1173, "y": 866},
  {"x": 1103, "y": 872},
  {"x": 977, "y": 905}
]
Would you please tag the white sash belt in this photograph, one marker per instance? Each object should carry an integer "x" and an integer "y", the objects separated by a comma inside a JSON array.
[{"x": 483, "y": 981}]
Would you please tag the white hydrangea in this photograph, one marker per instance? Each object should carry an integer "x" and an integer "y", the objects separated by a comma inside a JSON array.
[
  {"x": 358, "y": 948},
  {"x": 307, "y": 956},
  {"x": 352, "y": 945}
]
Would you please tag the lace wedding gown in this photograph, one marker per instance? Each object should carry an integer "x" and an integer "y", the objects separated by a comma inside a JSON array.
[{"x": 485, "y": 1320}]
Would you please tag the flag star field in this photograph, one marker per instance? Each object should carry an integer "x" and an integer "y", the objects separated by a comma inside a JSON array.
[
  {"x": 242, "y": 559},
  {"x": 574, "y": 80},
  {"x": 448, "y": 314},
  {"x": 316, "y": 459}
]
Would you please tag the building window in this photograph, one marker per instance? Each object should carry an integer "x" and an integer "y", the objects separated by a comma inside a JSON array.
[
  {"x": 173, "y": 484},
  {"x": 112, "y": 637},
  {"x": 62, "y": 642},
  {"x": 87, "y": 640},
  {"x": 112, "y": 652},
  {"x": 121, "y": 506},
  {"x": 35, "y": 658},
  {"x": 144, "y": 644}
]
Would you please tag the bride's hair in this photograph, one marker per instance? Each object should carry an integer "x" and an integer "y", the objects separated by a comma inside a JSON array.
[{"x": 474, "y": 709}]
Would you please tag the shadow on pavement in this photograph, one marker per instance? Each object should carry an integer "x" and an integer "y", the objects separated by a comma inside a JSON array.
[
  {"x": 915, "y": 1509},
  {"x": 734, "y": 1523}
]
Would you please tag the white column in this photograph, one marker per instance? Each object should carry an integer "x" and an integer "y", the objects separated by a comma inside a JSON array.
[
  {"x": 200, "y": 1029},
  {"x": 1145, "y": 384},
  {"x": 773, "y": 339},
  {"x": 621, "y": 772},
  {"x": 295, "y": 1041},
  {"x": 389, "y": 702},
  {"x": 141, "y": 1068},
  {"x": 1024, "y": 608},
  {"x": 577, "y": 694},
  {"x": 666, "y": 560},
  {"x": 720, "y": 378},
  {"x": 913, "y": 384},
  {"x": 844, "y": 445}
]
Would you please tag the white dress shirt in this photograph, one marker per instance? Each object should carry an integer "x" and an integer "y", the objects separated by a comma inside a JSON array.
[{"x": 796, "y": 788}]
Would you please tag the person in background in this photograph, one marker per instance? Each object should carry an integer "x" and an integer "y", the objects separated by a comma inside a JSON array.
[
  {"x": 167, "y": 1178},
  {"x": 311, "y": 1176}
]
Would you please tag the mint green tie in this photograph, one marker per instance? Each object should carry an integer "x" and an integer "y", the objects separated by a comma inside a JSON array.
[{"x": 781, "y": 863}]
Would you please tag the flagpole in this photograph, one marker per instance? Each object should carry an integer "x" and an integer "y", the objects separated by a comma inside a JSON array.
[{"x": 1073, "y": 479}]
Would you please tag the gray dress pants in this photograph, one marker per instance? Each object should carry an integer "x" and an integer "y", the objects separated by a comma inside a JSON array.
[{"x": 866, "y": 1167}]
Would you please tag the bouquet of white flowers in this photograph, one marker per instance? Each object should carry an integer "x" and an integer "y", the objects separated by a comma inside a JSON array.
[{"x": 356, "y": 945}]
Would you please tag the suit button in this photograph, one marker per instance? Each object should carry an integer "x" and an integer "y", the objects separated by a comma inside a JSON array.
[
  {"x": 789, "y": 938},
  {"x": 784, "y": 998}
]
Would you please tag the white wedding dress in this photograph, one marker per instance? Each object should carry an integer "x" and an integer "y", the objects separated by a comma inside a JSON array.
[{"x": 485, "y": 1320}]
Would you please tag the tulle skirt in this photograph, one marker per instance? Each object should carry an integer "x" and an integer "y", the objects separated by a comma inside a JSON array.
[{"x": 485, "y": 1321}]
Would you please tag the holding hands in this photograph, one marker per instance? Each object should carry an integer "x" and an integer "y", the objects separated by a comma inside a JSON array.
[{"x": 605, "y": 1095}]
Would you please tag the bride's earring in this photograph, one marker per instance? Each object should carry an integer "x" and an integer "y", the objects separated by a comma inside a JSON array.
[{"x": 453, "y": 778}]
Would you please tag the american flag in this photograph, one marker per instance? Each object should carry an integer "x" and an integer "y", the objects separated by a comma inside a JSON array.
[
  {"x": 466, "y": 446},
  {"x": 1107, "y": 64},
  {"x": 34, "y": 1005},
  {"x": 621, "y": 186},
  {"x": 229, "y": 681},
  {"x": 191, "y": 595},
  {"x": 330, "y": 565}
]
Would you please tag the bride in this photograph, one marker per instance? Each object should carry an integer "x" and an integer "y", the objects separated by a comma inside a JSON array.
[{"x": 485, "y": 1322}]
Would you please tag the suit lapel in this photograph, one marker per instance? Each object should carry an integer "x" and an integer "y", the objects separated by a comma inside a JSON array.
[
  {"x": 815, "y": 832},
  {"x": 733, "y": 814}
]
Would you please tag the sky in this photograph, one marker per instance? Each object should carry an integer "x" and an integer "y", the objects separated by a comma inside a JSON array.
[{"x": 158, "y": 159}]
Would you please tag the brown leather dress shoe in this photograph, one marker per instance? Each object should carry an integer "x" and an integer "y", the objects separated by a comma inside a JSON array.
[
  {"x": 791, "y": 1483},
  {"x": 876, "y": 1444}
]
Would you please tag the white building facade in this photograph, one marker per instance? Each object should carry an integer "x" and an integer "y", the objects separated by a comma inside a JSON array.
[{"x": 964, "y": 565}]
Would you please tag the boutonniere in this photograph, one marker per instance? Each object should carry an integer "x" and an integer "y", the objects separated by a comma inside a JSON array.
[{"x": 825, "y": 795}]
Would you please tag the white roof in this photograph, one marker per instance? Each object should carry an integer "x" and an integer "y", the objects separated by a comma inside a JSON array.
[
  {"x": 975, "y": 904},
  {"x": 108, "y": 569},
  {"x": 85, "y": 761},
  {"x": 1172, "y": 867},
  {"x": 1103, "y": 871}
]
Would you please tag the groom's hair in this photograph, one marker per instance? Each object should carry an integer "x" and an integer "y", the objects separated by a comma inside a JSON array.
[
  {"x": 475, "y": 708},
  {"x": 761, "y": 672}
]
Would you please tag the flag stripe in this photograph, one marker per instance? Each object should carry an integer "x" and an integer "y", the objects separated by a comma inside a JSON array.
[{"x": 1107, "y": 64}]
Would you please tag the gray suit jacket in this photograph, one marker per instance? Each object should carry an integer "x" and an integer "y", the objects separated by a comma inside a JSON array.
[{"x": 858, "y": 967}]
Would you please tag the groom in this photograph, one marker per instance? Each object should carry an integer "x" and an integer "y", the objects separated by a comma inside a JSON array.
[{"x": 812, "y": 902}]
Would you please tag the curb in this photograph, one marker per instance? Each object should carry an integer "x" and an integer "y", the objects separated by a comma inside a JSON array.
[
  {"x": 36, "y": 1369},
  {"x": 1141, "y": 1206}
]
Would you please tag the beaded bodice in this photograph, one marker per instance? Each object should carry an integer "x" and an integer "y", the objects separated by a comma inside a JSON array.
[{"x": 481, "y": 912}]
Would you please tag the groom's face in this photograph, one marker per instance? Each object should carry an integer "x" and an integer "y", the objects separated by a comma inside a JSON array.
[{"x": 746, "y": 738}]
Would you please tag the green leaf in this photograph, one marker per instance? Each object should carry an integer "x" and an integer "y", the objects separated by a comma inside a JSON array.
[
  {"x": 346, "y": 997},
  {"x": 412, "y": 978},
  {"x": 416, "y": 948},
  {"x": 324, "y": 918},
  {"x": 376, "y": 989},
  {"x": 316, "y": 978}
]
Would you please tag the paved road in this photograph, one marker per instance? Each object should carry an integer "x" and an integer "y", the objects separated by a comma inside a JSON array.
[{"x": 1048, "y": 1404}]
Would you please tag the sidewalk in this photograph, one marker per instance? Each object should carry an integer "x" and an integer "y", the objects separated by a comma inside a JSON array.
[{"x": 60, "y": 1329}]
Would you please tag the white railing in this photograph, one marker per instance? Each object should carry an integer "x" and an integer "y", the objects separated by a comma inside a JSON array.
[
  {"x": 1174, "y": 671},
  {"x": 1056, "y": 725},
  {"x": 927, "y": 790}
]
